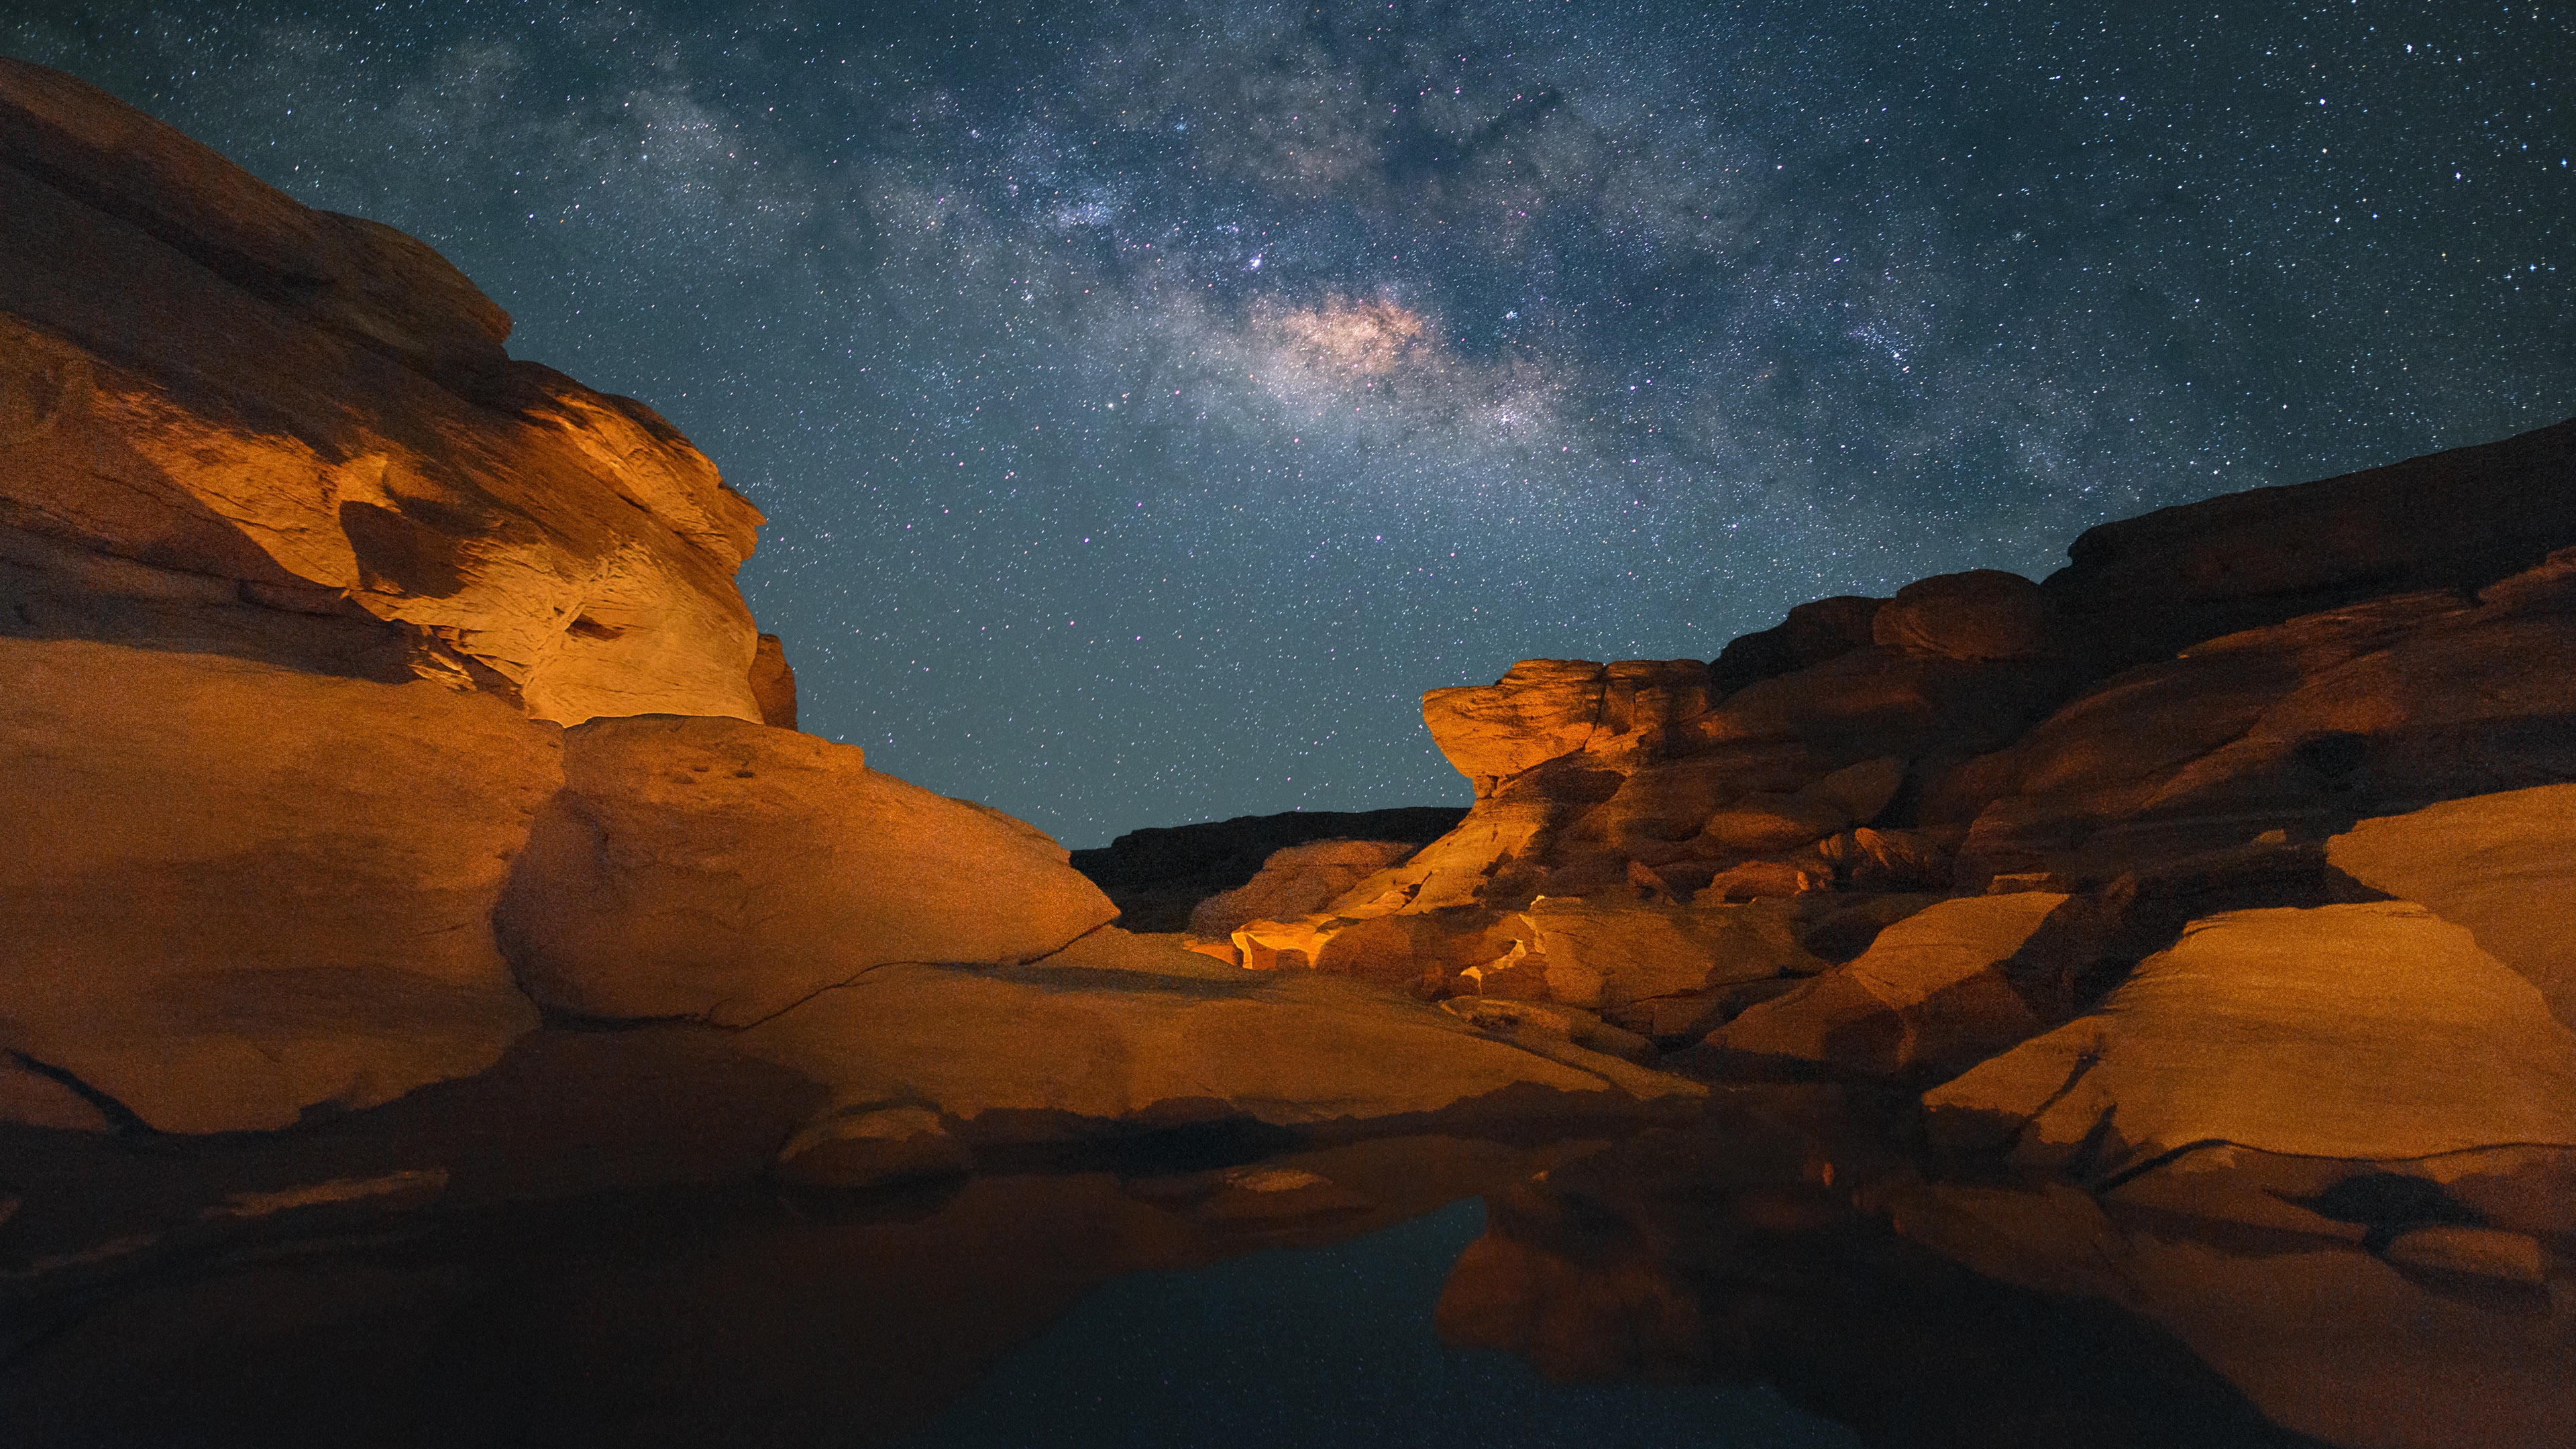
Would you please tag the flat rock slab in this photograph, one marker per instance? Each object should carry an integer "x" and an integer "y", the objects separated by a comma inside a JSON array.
[
  {"x": 2376, "y": 1031},
  {"x": 1054, "y": 1053},
  {"x": 2503, "y": 865}
]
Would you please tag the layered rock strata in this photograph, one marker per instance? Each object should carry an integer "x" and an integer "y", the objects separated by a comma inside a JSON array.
[{"x": 238, "y": 425}]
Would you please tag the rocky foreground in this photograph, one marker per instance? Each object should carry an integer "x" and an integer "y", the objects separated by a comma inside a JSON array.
[{"x": 418, "y": 830}]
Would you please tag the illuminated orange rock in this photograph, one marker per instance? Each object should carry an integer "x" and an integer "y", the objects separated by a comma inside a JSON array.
[
  {"x": 773, "y": 683},
  {"x": 241, "y": 426},
  {"x": 1544, "y": 708},
  {"x": 1930, "y": 993},
  {"x": 1157, "y": 877},
  {"x": 1756, "y": 879},
  {"x": 1051, "y": 1053},
  {"x": 708, "y": 867},
  {"x": 1604, "y": 956},
  {"x": 1540, "y": 709},
  {"x": 258, "y": 891},
  {"x": 2502, "y": 865},
  {"x": 1294, "y": 881},
  {"x": 2369, "y": 1032}
]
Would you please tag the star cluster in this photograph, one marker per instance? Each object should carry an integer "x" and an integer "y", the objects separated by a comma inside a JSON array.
[{"x": 1150, "y": 401}]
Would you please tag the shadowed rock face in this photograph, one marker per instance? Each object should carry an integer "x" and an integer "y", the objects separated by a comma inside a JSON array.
[
  {"x": 2456, "y": 521},
  {"x": 237, "y": 425}
]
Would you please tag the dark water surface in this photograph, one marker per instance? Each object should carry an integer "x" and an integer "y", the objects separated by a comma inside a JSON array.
[
  {"x": 512, "y": 1263},
  {"x": 1335, "y": 1345}
]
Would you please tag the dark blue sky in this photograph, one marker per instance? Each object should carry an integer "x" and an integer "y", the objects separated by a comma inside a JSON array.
[{"x": 1150, "y": 402}]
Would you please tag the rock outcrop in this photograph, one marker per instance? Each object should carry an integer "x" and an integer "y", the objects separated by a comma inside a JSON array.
[
  {"x": 1067, "y": 1052},
  {"x": 712, "y": 868},
  {"x": 1295, "y": 880},
  {"x": 2500, "y": 865},
  {"x": 301, "y": 576},
  {"x": 241, "y": 426}
]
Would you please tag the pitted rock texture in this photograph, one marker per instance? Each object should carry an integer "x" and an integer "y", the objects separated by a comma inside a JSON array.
[
  {"x": 713, "y": 868},
  {"x": 237, "y": 425},
  {"x": 259, "y": 891}
]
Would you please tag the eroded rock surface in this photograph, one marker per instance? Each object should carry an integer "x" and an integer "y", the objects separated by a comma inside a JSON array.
[{"x": 242, "y": 426}]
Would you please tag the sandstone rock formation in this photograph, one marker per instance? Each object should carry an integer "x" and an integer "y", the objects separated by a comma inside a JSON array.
[
  {"x": 708, "y": 867},
  {"x": 2299, "y": 727},
  {"x": 2501, "y": 865},
  {"x": 257, "y": 891},
  {"x": 1544, "y": 708},
  {"x": 291, "y": 552},
  {"x": 773, "y": 683},
  {"x": 241, "y": 426},
  {"x": 1981, "y": 614}
]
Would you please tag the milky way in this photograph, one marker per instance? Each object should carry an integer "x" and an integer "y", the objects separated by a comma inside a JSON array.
[{"x": 1150, "y": 402}]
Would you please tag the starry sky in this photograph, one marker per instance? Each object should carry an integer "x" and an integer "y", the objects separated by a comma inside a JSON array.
[{"x": 1150, "y": 401}]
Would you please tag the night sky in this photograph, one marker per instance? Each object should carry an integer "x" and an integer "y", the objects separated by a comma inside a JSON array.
[{"x": 1149, "y": 402}]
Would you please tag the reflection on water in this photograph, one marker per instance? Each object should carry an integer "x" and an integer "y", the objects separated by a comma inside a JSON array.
[
  {"x": 1330, "y": 1345},
  {"x": 1783, "y": 1273}
]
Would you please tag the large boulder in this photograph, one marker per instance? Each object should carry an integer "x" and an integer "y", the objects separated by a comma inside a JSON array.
[
  {"x": 1538, "y": 710},
  {"x": 708, "y": 867},
  {"x": 2502, "y": 865},
  {"x": 1544, "y": 708},
  {"x": 1057, "y": 1053},
  {"x": 1607, "y": 955},
  {"x": 2373, "y": 1032},
  {"x": 252, "y": 892},
  {"x": 238, "y": 425},
  {"x": 1931, "y": 993}
]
